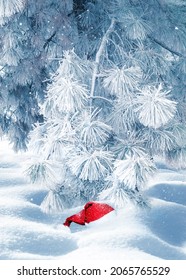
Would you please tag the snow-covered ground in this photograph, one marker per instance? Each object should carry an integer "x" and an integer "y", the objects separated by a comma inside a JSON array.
[{"x": 27, "y": 233}]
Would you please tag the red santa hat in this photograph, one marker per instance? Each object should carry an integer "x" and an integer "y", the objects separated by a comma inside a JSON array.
[{"x": 92, "y": 211}]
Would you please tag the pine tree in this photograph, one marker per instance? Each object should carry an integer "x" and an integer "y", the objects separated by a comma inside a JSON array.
[
  {"x": 33, "y": 34},
  {"x": 116, "y": 100}
]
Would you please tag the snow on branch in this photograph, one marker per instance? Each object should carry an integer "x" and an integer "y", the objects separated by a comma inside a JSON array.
[
  {"x": 129, "y": 146},
  {"x": 153, "y": 107},
  {"x": 163, "y": 45},
  {"x": 10, "y": 7},
  {"x": 74, "y": 66},
  {"x": 42, "y": 172},
  {"x": 98, "y": 56},
  {"x": 177, "y": 157},
  {"x": 91, "y": 166},
  {"x": 134, "y": 171},
  {"x": 158, "y": 140},
  {"x": 120, "y": 196},
  {"x": 67, "y": 94},
  {"x": 122, "y": 81},
  {"x": 93, "y": 131},
  {"x": 135, "y": 27},
  {"x": 53, "y": 202}
]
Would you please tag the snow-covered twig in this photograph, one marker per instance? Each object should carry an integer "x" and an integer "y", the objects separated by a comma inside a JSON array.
[
  {"x": 98, "y": 56},
  {"x": 163, "y": 45},
  {"x": 101, "y": 97}
]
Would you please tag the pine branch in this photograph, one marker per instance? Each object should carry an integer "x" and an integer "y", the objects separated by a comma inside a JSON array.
[
  {"x": 163, "y": 45},
  {"x": 49, "y": 40},
  {"x": 98, "y": 56},
  {"x": 102, "y": 98}
]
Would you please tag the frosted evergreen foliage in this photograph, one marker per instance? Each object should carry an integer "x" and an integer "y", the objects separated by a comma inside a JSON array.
[
  {"x": 177, "y": 155},
  {"x": 136, "y": 28},
  {"x": 123, "y": 116},
  {"x": 134, "y": 171},
  {"x": 53, "y": 202},
  {"x": 42, "y": 172},
  {"x": 12, "y": 53},
  {"x": 93, "y": 132},
  {"x": 130, "y": 146},
  {"x": 154, "y": 108},
  {"x": 158, "y": 141},
  {"x": 34, "y": 35},
  {"x": 105, "y": 83},
  {"x": 73, "y": 65},
  {"x": 38, "y": 134},
  {"x": 91, "y": 166},
  {"x": 10, "y": 7},
  {"x": 68, "y": 95},
  {"x": 122, "y": 81},
  {"x": 119, "y": 195}
]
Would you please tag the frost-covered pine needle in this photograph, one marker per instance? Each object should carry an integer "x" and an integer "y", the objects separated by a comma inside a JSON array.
[
  {"x": 93, "y": 131},
  {"x": 53, "y": 203},
  {"x": 42, "y": 172},
  {"x": 68, "y": 95},
  {"x": 73, "y": 65},
  {"x": 153, "y": 107},
  {"x": 91, "y": 166},
  {"x": 177, "y": 157},
  {"x": 135, "y": 27},
  {"x": 129, "y": 146},
  {"x": 134, "y": 171},
  {"x": 10, "y": 7},
  {"x": 122, "y": 81},
  {"x": 158, "y": 140},
  {"x": 120, "y": 196},
  {"x": 116, "y": 196}
]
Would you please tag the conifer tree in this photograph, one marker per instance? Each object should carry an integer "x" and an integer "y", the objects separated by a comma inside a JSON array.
[
  {"x": 33, "y": 34},
  {"x": 115, "y": 100}
]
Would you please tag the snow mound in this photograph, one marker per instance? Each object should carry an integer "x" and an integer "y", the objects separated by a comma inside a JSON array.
[{"x": 28, "y": 233}]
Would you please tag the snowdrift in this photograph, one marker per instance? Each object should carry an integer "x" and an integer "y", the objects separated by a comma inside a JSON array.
[{"x": 28, "y": 233}]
